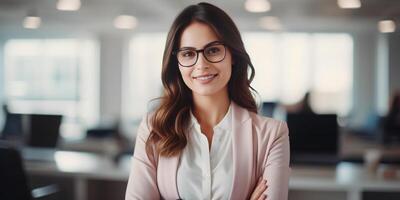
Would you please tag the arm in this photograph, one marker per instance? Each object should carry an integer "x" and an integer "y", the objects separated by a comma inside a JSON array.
[
  {"x": 142, "y": 183},
  {"x": 276, "y": 169}
]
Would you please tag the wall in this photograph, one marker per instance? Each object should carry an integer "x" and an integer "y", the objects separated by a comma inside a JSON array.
[
  {"x": 111, "y": 62},
  {"x": 365, "y": 45},
  {"x": 394, "y": 62},
  {"x": 1, "y": 81}
]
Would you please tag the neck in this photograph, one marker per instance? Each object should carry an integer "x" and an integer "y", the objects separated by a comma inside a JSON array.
[{"x": 210, "y": 110}]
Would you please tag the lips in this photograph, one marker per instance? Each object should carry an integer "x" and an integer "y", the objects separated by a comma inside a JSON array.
[{"x": 205, "y": 77}]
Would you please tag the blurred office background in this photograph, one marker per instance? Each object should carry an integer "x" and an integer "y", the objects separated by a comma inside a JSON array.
[{"x": 76, "y": 77}]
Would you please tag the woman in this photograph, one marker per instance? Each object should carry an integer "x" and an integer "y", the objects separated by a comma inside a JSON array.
[{"x": 205, "y": 140}]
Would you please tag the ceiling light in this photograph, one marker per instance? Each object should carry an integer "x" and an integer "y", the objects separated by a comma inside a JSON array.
[
  {"x": 125, "y": 22},
  {"x": 386, "y": 26},
  {"x": 270, "y": 23},
  {"x": 68, "y": 5},
  {"x": 32, "y": 22},
  {"x": 349, "y": 4},
  {"x": 257, "y": 6}
]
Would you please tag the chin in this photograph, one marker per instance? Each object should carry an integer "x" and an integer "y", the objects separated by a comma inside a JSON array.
[
  {"x": 204, "y": 93},
  {"x": 207, "y": 92}
]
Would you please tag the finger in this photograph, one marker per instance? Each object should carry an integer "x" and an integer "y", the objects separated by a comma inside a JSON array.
[
  {"x": 262, "y": 197},
  {"x": 259, "y": 193},
  {"x": 259, "y": 180},
  {"x": 259, "y": 183},
  {"x": 261, "y": 186},
  {"x": 259, "y": 189},
  {"x": 256, "y": 193}
]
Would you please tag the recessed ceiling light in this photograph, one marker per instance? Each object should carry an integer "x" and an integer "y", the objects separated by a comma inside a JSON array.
[
  {"x": 68, "y": 5},
  {"x": 349, "y": 4},
  {"x": 387, "y": 26},
  {"x": 32, "y": 22},
  {"x": 257, "y": 6},
  {"x": 125, "y": 22}
]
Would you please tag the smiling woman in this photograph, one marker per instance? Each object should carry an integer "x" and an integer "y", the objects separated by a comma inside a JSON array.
[
  {"x": 205, "y": 140},
  {"x": 207, "y": 74}
]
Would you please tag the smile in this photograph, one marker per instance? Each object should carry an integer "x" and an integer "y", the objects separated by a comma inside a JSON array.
[{"x": 205, "y": 77}]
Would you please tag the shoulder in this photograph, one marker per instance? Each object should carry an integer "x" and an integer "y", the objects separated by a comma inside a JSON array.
[
  {"x": 142, "y": 136},
  {"x": 263, "y": 126},
  {"x": 144, "y": 128},
  {"x": 263, "y": 122},
  {"x": 268, "y": 125}
]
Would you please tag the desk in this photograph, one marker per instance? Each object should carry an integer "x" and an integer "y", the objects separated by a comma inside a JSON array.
[
  {"x": 79, "y": 166},
  {"x": 347, "y": 178}
]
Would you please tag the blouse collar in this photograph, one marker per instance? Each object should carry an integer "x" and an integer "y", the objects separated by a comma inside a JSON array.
[{"x": 225, "y": 124}]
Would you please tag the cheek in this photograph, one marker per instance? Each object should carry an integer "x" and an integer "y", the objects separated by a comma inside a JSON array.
[
  {"x": 227, "y": 69},
  {"x": 228, "y": 74},
  {"x": 186, "y": 74},
  {"x": 228, "y": 64}
]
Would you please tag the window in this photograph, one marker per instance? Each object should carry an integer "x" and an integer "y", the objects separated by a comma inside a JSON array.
[
  {"x": 143, "y": 75},
  {"x": 290, "y": 64},
  {"x": 53, "y": 76}
]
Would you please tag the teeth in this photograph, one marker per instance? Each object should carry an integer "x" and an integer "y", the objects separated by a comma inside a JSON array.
[{"x": 205, "y": 77}]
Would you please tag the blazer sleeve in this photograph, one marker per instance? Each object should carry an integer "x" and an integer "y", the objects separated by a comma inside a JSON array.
[
  {"x": 276, "y": 168},
  {"x": 142, "y": 183}
]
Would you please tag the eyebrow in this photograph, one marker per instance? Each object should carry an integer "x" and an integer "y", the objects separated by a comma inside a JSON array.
[{"x": 208, "y": 44}]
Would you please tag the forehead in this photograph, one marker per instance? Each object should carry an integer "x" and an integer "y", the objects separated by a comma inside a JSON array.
[{"x": 197, "y": 35}]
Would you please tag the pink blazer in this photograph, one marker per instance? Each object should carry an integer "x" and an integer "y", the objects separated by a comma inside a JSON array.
[{"x": 260, "y": 148}]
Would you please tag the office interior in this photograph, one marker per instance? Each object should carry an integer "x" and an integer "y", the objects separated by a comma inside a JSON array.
[{"x": 77, "y": 76}]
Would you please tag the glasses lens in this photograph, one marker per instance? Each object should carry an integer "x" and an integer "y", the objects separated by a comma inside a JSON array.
[
  {"x": 215, "y": 53},
  {"x": 187, "y": 57}
]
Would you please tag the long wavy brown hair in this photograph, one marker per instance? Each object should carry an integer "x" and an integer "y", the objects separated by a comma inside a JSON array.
[{"x": 172, "y": 117}]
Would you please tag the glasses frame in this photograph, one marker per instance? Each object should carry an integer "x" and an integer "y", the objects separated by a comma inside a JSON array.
[{"x": 175, "y": 53}]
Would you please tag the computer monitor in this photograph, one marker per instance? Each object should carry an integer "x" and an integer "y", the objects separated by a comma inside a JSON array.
[
  {"x": 44, "y": 130},
  {"x": 313, "y": 138},
  {"x": 268, "y": 109}
]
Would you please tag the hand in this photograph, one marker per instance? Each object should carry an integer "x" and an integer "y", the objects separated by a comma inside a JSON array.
[{"x": 259, "y": 190}]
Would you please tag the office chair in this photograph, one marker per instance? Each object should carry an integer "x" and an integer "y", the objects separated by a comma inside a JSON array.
[
  {"x": 14, "y": 183},
  {"x": 44, "y": 130}
]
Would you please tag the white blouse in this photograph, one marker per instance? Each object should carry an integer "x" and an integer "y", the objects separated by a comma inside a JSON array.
[{"x": 204, "y": 173}]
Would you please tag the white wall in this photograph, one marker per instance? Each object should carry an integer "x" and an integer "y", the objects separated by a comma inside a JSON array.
[
  {"x": 364, "y": 91},
  {"x": 111, "y": 62}
]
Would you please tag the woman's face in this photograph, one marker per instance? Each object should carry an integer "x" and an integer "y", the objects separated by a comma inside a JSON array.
[{"x": 204, "y": 78}]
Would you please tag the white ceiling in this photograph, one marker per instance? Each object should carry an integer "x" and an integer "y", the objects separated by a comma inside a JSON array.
[{"x": 157, "y": 15}]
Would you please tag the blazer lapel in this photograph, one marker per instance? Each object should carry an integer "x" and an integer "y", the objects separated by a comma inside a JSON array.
[
  {"x": 166, "y": 177},
  {"x": 242, "y": 141},
  {"x": 243, "y": 160}
]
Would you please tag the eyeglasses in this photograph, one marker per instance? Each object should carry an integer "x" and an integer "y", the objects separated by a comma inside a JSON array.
[{"x": 213, "y": 52}]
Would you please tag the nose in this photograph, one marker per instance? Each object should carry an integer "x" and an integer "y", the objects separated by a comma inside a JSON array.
[{"x": 202, "y": 62}]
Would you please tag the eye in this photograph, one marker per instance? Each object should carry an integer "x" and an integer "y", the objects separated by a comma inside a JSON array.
[
  {"x": 187, "y": 54},
  {"x": 213, "y": 50}
]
